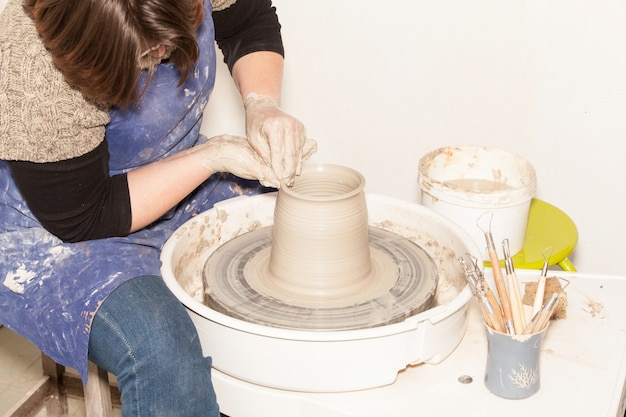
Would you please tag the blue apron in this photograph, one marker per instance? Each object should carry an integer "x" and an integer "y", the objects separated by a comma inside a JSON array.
[{"x": 50, "y": 290}]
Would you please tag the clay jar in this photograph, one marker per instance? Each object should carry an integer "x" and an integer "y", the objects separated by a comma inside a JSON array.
[{"x": 320, "y": 245}]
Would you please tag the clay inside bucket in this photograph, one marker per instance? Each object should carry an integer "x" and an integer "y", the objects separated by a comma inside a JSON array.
[{"x": 468, "y": 184}]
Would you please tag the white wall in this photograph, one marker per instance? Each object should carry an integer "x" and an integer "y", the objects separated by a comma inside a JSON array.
[{"x": 380, "y": 83}]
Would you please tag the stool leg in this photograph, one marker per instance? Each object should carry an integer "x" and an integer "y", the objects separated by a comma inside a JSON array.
[
  {"x": 56, "y": 404},
  {"x": 97, "y": 392},
  {"x": 566, "y": 265}
]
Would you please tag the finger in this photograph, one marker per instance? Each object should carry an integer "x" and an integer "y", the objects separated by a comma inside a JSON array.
[
  {"x": 309, "y": 148},
  {"x": 270, "y": 182},
  {"x": 266, "y": 175},
  {"x": 259, "y": 143},
  {"x": 290, "y": 165},
  {"x": 295, "y": 138},
  {"x": 281, "y": 149}
]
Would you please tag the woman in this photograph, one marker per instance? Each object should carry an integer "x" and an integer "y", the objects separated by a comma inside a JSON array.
[{"x": 100, "y": 108}]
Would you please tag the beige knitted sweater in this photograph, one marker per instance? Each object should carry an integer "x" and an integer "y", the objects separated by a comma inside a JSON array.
[{"x": 43, "y": 119}]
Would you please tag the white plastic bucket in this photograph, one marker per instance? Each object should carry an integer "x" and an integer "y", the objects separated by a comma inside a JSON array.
[{"x": 481, "y": 189}]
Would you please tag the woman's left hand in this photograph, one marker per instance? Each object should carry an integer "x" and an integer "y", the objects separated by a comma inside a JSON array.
[{"x": 278, "y": 138}]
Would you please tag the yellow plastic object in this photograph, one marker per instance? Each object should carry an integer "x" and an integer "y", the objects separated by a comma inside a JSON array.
[{"x": 547, "y": 227}]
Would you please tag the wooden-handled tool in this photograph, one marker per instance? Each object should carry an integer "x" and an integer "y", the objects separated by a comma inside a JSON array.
[
  {"x": 492, "y": 314},
  {"x": 517, "y": 308},
  {"x": 499, "y": 280},
  {"x": 541, "y": 318},
  {"x": 541, "y": 284}
]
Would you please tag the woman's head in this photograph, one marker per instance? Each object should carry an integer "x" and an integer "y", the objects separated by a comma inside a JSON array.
[{"x": 101, "y": 46}]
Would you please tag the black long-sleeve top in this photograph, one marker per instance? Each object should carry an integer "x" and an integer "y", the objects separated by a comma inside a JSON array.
[{"x": 76, "y": 199}]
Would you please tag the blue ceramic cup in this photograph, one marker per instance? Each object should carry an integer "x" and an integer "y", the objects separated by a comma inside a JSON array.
[{"x": 512, "y": 370}]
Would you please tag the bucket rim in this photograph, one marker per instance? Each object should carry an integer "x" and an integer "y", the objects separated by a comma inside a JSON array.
[{"x": 441, "y": 187}]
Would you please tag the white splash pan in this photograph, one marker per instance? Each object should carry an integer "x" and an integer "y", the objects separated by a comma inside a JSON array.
[{"x": 321, "y": 361}]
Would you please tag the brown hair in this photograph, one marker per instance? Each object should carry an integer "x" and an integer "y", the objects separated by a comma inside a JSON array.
[{"x": 97, "y": 43}]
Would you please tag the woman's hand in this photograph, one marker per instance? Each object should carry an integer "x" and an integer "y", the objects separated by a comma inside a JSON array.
[
  {"x": 278, "y": 138},
  {"x": 226, "y": 153}
]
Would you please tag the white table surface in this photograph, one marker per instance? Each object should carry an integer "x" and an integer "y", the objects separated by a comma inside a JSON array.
[{"x": 583, "y": 370}]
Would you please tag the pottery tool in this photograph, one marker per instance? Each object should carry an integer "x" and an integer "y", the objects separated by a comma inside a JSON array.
[
  {"x": 485, "y": 305},
  {"x": 498, "y": 278},
  {"x": 541, "y": 284},
  {"x": 553, "y": 307},
  {"x": 498, "y": 319},
  {"x": 517, "y": 308},
  {"x": 492, "y": 317},
  {"x": 540, "y": 319},
  {"x": 553, "y": 284}
]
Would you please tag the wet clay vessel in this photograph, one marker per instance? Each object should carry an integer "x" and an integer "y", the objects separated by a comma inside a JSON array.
[{"x": 321, "y": 266}]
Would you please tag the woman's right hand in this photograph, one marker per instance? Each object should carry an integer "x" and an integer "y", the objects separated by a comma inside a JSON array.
[{"x": 227, "y": 153}]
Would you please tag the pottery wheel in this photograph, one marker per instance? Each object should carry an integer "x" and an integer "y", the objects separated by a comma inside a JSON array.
[{"x": 238, "y": 283}]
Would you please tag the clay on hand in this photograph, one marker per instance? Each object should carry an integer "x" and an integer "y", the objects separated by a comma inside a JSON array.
[
  {"x": 227, "y": 153},
  {"x": 278, "y": 138}
]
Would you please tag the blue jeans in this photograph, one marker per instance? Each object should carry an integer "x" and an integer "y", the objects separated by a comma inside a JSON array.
[{"x": 143, "y": 335}]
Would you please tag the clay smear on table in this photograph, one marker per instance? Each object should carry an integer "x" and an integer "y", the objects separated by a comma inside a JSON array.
[{"x": 320, "y": 265}]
